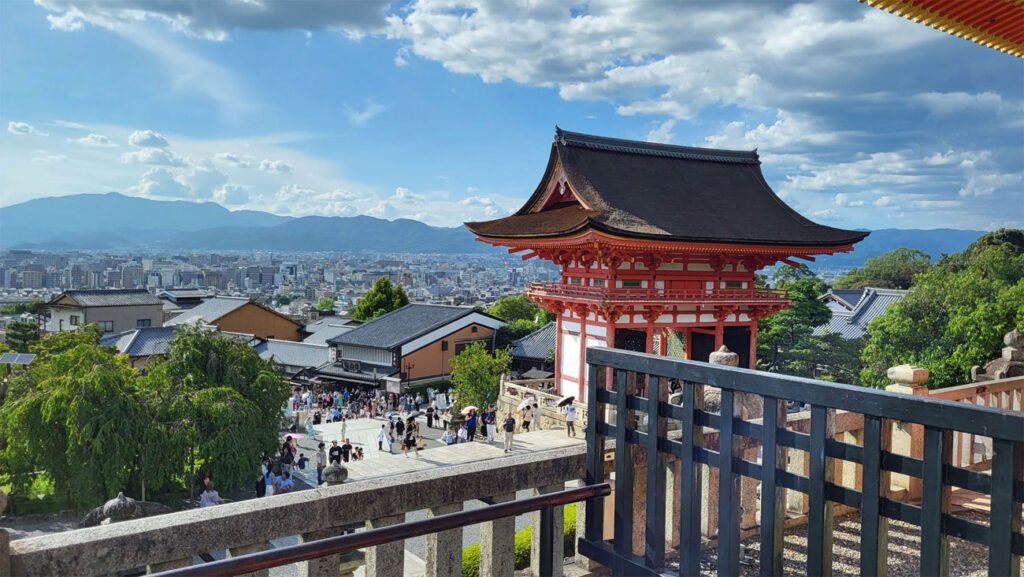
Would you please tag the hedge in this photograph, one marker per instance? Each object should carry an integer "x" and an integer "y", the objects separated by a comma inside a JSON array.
[{"x": 471, "y": 555}]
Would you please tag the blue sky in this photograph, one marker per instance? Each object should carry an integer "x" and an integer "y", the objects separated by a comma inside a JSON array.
[{"x": 444, "y": 110}]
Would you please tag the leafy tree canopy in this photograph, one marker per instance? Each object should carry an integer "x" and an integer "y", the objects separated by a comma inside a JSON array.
[
  {"x": 895, "y": 269},
  {"x": 18, "y": 308},
  {"x": 476, "y": 374},
  {"x": 21, "y": 335},
  {"x": 382, "y": 298},
  {"x": 782, "y": 335},
  {"x": 518, "y": 308},
  {"x": 955, "y": 315},
  {"x": 325, "y": 304}
]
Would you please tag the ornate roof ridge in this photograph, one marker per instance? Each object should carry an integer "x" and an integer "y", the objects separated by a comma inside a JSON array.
[{"x": 566, "y": 138}]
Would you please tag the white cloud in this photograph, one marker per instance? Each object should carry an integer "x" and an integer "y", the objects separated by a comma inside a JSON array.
[
  {"x": 383, "y": 210},
  {"x": 49, "y": 158},
  {"x": 231, "y": 194},
  {"x": 68, "y": 124},
  {"x": 984, "y": 184},
  {"x": 945, "y": 103},
  {"x": 404, "y": 195},
  {"x": 789, "y": 129},
  {"x": 23, "y": 129},
  {"x": 97, "y": 141},
  {"x": 844, "y": 200},
  {"x": 361, "y": 117},
  {"x": 275, "y": 166},
  {"x": 663, "y": 132},
  {"x": 156, "y": 156},
  {"x": 160, "y": 182},
  {"x": 936, "y": 204},
  {"x": 232, "y": 159},
  {"x": 826, "y": 214},
  {"x": 148, "y": 139},
  {"x": 216, "y": 19},
  {"x": 883, "y": 201}
]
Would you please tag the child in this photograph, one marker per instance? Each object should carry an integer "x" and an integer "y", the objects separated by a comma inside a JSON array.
[
  {"x": 209, "y": 497},
  {"x": 302, "y": 461}
]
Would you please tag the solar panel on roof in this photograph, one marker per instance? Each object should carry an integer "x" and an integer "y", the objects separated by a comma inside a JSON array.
[{"x": 8, "y": 358}]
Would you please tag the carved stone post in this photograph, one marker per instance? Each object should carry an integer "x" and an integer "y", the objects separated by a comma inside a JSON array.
[
  {"x": 497, "y": 542},
  {"x": 444, "y": 549},
  {"x": 387, "y": 560},
  {"x": 908, "y": 439}
]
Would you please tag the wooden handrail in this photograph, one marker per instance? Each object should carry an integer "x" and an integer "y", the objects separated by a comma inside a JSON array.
[{"x": 352, "y": 541}]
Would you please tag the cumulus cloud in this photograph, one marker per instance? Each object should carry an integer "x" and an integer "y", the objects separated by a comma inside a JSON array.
[
  {"x": 383, "y": 210},
  {"x": 96, "y": 141},
  {"x": 883, "y": 201},
  {"x": 275, "y": 166},
  {"x": 788, "y": 130},
  {"x": 161, "y": 182},
  {"x": 23, "y": 129},
  {"x": 155, "y": 156},
  {"x": 663, "y": 132},
  {"x": 148, "y": 139},
  {"x": 360, "y": 117},
  {"x": 232, "y": 159},
  {"x": 826, "y": 214},
  {"x": 945, "y": 103},
  {"x": 231, "y": 194},
  {"x": 404, "y": 195}
]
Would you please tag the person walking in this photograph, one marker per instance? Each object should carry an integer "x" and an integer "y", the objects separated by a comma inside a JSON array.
[
  {"x": 381, "y": 437},
  {"x": 570, "y": 420},
  {"x": 321, "y": 462},
  {"x": 471, "y": 425},
  {"x": 527, "y": 418},
  {"x": 209, "y": 497},
  {"x": 430, "y": 416},
  {"x": 536, "y": 417},
  {"x": 490, "y": 417},
  {"x": 510, "y": 429},
  {"x": 463, "y": 433},
  {"x": 346, "y": 450},
  {"x": 335, "y": 452}
]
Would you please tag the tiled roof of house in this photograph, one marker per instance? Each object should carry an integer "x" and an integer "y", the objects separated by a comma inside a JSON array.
[
  {"x": 294, "y": 354},
  {"x": 853, "y": 324},
  {"x": 209, "y": 311},
  {"x": 401, "y": 325},
  {"x": 143, "y": 342},
  {"x": 537, "y": 345},
  {"x": 111, "y": 298},
  {"x": 325, "y": 333}
]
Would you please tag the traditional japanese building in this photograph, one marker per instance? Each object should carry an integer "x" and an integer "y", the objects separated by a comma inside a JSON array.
[{"x": 656, "y": 243}]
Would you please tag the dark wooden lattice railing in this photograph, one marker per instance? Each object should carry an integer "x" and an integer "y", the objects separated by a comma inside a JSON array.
[{"x": 634, "y": 388}]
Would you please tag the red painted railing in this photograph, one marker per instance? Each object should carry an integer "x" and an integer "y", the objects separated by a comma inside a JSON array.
[{"x": 634, "y": 295}]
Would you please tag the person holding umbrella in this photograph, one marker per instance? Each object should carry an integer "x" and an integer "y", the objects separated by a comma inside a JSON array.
[{"x": 570, "y": 414}]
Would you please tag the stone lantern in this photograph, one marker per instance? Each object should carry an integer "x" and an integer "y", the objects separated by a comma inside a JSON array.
[
  {"x": 335, "y": 474},
  {"x": 119, "y": 508}
]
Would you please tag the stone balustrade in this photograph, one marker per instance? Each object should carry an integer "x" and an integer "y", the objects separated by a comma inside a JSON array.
[{"x": 512, "y": 393}]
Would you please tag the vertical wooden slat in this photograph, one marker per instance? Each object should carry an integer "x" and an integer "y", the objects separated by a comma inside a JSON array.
[
  {"x": 1005, "y": 520},
  {"x": 773, "y": 497},
  {"x": 874, "y": 538},
  {"x": 819, "y": 516},
  {"x": 935, "y": 501},
  {"x": 623, "y": 534},
  {"x": 654, "y": 536},
  {"x": 690, "y": 482},
  {"x": 594, "y": 530},
  {"x": 728, "y": 490},
  {"x": 547, "y": 554}
]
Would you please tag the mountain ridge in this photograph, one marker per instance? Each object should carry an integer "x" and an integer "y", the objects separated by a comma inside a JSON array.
[{"x": 116, "y": 221}]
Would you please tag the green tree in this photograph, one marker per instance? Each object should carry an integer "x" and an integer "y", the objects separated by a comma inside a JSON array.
[
  {"x": 285, "y": 300},
  {"x": 519, "y": 308},
  {"x": 955, "y": 315},
  {"x": 895, "y": 269},
  {"x": 382, "y": 298},
  {"x": 21, "y": 335},
  {"x": 18, "y": 308},
  {"x": 512, "y": 331},
  {"x": 779, "y": 335},
  {"x": 476, "y": 374},
  {"x": 325, "y": 304}
]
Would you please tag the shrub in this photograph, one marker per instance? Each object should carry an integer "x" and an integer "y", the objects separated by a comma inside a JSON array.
[{"x": 471, "y": 555}]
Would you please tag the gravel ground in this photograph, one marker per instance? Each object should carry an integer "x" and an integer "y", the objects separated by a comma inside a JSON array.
[{"x": 965, "y": 559}]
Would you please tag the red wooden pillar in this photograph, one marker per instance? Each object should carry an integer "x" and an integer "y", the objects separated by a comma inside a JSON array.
[
  {"x": 753, "y": 345},
  {"x": 719, "y": 335},
  {"x": 558, "y": 353},
  {"x": 583, "y": 353},
  {"x": 688, "y": 345},
  {"x": 649, "y": 347}
]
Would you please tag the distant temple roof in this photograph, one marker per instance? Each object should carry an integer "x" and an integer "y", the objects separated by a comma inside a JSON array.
[
  {"x": 661, "y": 192},
  {"x": 850, "y": 318}
]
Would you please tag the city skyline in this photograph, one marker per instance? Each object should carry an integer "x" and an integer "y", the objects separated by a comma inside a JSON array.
[{"x": 443, "y": 112}]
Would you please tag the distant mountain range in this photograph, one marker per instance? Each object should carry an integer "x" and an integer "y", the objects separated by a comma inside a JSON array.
[{"x": 115, "y": 221}]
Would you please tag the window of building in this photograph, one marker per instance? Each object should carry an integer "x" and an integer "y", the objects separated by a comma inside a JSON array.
[
  {"x": 105, "y": 326},
  {"x": 444, "y": 345},
  {"x": 143, "y": 323},
  {"x": 75, "y": 319},
  {"x": 598, "y": 282},
  {"x": 474, "y": 329},
  {"x": 734, "y": 284},
  {"x": 631, "y": 284},
  {"x": 574, "y": 280}
]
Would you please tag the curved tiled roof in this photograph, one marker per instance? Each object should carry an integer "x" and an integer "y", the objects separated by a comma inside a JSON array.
[
  {"x": 663, "y": 192},
  {"x": 537, "y": 345}
]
